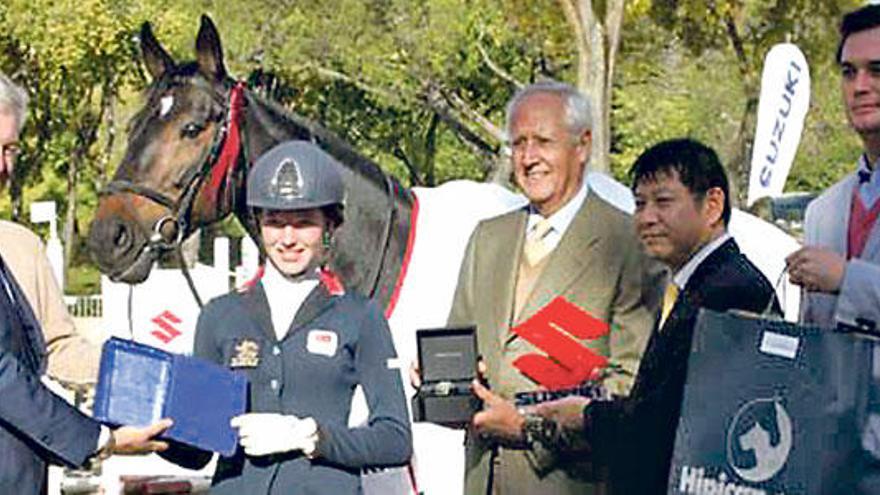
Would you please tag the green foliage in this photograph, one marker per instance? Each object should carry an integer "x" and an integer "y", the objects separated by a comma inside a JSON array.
[
  {"x": 665, "y": 93},
  {"x": 695, "y": 71},
  {"x": 418, "y": 86},
  {"x": 83, "y": 279}
]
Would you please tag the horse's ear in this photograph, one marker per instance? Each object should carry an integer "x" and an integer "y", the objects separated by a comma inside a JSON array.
[
  {"x": 209, "y": 53},
  {"x": 155, "y": 57}
]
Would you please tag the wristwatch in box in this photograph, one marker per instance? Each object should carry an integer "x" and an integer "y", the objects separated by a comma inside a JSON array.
[{"x": 447, "y": 366}]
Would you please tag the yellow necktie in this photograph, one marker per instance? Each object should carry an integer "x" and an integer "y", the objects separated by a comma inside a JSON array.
[
  {"x": 669, "y": 297},
  {"x": 535, "y": 248}
]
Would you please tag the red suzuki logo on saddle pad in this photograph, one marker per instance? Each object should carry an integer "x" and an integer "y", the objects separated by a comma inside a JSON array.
[{"x": 556, "y": 329}]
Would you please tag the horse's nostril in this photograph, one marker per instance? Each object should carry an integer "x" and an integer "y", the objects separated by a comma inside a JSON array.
[{"x": 120, "y": 238}]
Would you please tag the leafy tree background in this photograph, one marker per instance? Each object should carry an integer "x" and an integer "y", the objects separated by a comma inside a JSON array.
[{"x": 421, "y": 86}]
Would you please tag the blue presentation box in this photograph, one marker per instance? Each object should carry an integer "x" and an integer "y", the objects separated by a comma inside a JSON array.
[{"x": 139, "y": 385}]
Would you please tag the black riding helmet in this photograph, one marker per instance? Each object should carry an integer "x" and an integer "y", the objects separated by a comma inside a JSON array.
[{"x": 297, "y": 175}]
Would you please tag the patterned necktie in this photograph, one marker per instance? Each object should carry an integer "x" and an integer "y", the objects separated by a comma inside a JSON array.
[
  {"x": 669, "y": 297},
  {"x": 536, "y": 248}
]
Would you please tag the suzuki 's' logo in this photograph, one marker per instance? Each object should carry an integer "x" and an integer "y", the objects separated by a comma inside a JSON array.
[
  {"x": 554, "y": 329},
  {"x": 166, "y": 331},
  {"x": 759, "y": 440}
]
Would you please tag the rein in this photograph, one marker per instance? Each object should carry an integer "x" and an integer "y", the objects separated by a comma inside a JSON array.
[{"x": 217, "y": 168}]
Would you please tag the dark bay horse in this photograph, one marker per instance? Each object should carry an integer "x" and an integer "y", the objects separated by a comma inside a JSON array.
[{"x": 189, "y": 150}]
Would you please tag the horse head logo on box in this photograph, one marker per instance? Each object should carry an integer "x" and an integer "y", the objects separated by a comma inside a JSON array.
[
  {"x": 189, "y": 150},
  {"x": 759, "y": 440}
]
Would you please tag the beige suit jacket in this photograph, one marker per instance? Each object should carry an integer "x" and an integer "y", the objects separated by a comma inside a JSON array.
[
  {"x": 598, "y": 265},
  {"x": 72, "y": 358}
]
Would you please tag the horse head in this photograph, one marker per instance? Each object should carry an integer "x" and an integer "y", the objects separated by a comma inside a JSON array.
[
  {"x": 180, "y": 167},
  {"x": 189, "y": 149}
]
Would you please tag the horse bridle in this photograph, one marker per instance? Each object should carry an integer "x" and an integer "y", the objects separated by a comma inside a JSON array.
[
  {"x": 220, "y": 163},
  {"x": 220, "y": 155}
]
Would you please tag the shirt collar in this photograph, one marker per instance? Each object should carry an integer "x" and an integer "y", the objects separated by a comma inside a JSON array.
[
  {"x": 277, "y": 281},
  {"x": 681, "y": 277},
  {"x": 284, "y": 296},
  {"x": 865, "y": 171},
  {"x": 564, "y": 216}
]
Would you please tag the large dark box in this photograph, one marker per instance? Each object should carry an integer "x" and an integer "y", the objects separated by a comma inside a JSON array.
[
  {"x": 447, "y": 365},
  {"x": 139, "y": 385}
]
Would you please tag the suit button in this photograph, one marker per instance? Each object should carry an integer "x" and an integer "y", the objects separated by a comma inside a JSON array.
[
  {"x": 274, "y": 384},
  {"x": 276, "y": 350}
]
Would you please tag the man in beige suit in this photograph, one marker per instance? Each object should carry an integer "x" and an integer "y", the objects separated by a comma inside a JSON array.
[
  {"x": 570, "y": 243},
  {"x": 72, "y": 358}
]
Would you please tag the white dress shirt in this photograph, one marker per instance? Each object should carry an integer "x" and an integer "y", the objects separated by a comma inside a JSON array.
[
  {"x": 559, "y": 220},
  {"x": 284, "y": 296}
]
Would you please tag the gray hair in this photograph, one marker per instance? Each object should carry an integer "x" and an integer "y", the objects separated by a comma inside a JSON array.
[
  {"x": 13, "y": 98},
  {"x": 578, "y": 116}
]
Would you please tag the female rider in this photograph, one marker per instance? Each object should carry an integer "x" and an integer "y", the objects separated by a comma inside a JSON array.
[{"x": 304, "y": 344}]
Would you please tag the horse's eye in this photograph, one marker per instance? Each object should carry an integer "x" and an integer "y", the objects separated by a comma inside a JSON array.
[{"x": 191, "y": 130}]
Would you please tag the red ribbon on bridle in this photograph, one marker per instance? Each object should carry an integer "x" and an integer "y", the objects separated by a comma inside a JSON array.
[{"x": 224, "y": 167}]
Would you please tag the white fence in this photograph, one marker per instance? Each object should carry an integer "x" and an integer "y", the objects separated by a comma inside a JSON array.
[{"x": 85, "y": 306}]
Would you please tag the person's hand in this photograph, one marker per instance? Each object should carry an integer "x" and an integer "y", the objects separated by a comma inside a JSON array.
[
  {"x": 415, "y": 375},
  {"x": 816, "y": 269},
  {"x": 270, "y": 433},
  {"x": 130, "y": 440},
  {"x": 567, "y": 413},
  {"x": 481, "y": 370},
  {"x": 499, "y": 418}
]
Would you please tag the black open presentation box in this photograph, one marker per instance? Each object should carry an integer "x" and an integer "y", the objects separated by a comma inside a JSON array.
[{"x": 447, "y": 365}]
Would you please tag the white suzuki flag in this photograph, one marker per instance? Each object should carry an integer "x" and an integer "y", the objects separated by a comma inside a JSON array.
[{"x": 785, "y": 98}]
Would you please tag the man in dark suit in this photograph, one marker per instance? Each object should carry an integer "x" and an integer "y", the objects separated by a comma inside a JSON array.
[
  {"x": 682, "y": 211},
  {"x": 36, "y": 426}
]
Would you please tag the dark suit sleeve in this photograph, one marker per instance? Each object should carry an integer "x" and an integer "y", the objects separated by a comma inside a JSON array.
[
  {"x": 32, "y": 410},
  {"x": 386, "y": 439},
  {"x": 628, "y": 426},
  {"x": 635, "y": 435},
  {"x": 634, "y": 312}
]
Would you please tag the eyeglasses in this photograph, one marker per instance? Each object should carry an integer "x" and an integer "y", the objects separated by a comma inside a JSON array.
[{"x": 10, "y": 151}]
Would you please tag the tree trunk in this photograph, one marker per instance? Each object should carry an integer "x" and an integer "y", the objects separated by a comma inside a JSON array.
[
  {"x": 739, "y": 164},
  {"x": 69, "y": 234},
  {"x": 15, "y": 193},
  {"x": 501, "y": 170},
  {"x": 597, "y": 36},
  {"x": 108, "y": 109}
]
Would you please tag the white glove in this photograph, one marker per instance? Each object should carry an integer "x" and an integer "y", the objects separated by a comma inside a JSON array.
[{"x": 270, "y": 433}]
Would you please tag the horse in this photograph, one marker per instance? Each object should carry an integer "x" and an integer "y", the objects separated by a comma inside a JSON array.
[
  {"x": 188, "y": 153},
  {"x": 189, "y": 149}
]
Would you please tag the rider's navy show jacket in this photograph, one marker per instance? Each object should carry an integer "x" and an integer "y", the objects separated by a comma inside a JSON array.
[{"x": 336, "y": 342}]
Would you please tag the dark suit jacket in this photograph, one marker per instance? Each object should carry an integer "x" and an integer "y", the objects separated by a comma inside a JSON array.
[
  {"x": 36, "y": 426},
  {"x": 636, "y": 435}
]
